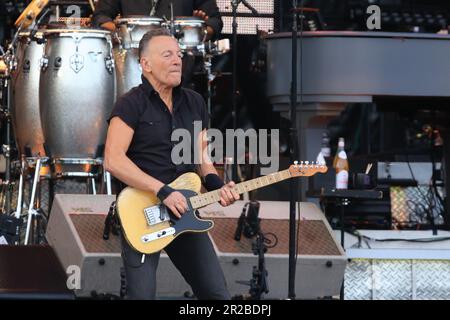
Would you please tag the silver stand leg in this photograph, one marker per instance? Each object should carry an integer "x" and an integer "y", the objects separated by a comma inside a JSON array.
[
  {"x": 209, "y": 78},
  {"x": 108, "y": 183},
  {"x": 20, "y": 195},
  {"x": 94, "y": 190},
  {"x": 31, "y": 211}
]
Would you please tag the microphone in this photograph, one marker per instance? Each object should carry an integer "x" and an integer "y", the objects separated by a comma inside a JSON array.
[
  {"x": 249, "y": 6},
  {"x": 251, "y": 226},
  {"x": 240, "y": 224}
]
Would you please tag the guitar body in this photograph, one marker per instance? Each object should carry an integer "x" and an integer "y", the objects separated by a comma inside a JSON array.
[
  {"x": 149, "y": 227},
  {"x": 146, "y": 235}
]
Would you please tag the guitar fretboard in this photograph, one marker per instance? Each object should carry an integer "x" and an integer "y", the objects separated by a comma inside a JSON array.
[{"x": 207, "y": 198}]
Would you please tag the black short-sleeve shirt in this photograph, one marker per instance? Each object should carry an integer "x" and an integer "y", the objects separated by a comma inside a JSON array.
[{"x": 151, "y": 147}]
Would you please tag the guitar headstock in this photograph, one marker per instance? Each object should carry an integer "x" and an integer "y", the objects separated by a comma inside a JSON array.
[{"x": 307, "y": 168}]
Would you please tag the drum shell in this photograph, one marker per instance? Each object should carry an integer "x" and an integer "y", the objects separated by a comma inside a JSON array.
[
  {"x": 76, "y": 99},
  {"x": 132, "y": 29},
  {"x": 191, "y": 34},
  {"x": 25, "y": 107},
  {"x": 128, "y": 70},
  {"x": 126, "y": 55}
]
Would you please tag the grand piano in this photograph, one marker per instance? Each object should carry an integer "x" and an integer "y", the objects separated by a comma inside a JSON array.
[
  {"x": 347, "y": 67},
  {"x": 341, "y": 67}
]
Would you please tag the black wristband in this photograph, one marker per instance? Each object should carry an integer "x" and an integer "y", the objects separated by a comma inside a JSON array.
[
  {"x": 164, "y": 192},
  {"x": 213, "y": 182}
]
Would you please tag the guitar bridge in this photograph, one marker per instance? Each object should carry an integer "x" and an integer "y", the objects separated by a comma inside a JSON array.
[{"x": 156, "y": 214}]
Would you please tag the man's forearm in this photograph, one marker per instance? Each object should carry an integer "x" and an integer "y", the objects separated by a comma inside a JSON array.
[
  {"x": 121, "y": 167},
  {"x": 209, "y": 33},
  {"x": 214, "y": 21},
  {"x": 101, "y": 19},
  {"x": 207, "y": 168},
  {"x": 111, "y": 26},
  {"x": 214, "y": 26}
]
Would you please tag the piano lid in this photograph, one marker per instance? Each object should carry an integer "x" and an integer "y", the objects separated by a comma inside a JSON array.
[{"x": 347, "y": 66}]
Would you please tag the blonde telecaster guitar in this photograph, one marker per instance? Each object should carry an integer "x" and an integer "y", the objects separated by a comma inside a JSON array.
[{"x": 149, "y": 227}]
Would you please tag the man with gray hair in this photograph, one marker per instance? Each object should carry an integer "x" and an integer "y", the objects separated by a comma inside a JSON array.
[
  {"x": 107, "y": 10},
  {"x": 138, "y": 153}
]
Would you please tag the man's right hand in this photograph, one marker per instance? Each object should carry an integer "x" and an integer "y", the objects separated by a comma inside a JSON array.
[
  {"x": 176, "y": 203},
  {"x": 111, "y": 26}
]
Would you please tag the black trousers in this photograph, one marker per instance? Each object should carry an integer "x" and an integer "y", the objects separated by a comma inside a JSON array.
[{"x": 192, "y": 254}]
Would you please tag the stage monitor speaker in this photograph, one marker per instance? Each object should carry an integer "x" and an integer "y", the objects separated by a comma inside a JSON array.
[
  {"x": 321, "y": 260},
  {"x": 76, "y": 227},
  {"x": 31, "y": 272},
  {"x": 75, "y": 231}
]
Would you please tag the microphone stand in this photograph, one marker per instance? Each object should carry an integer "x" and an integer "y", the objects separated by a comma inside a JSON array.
[
  {"x": 294, "y": 149},
  {"x": 234, "y": 6}
]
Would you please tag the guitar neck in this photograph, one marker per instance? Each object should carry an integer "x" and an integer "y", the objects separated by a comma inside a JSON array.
[{"x": 207, "y": 198}]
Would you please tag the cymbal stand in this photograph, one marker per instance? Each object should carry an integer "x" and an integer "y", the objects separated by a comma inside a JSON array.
[
  {"x": 207, "y": 62},
  {"x": 11, "y": 63},
  {"x": 20, "y": 191}
]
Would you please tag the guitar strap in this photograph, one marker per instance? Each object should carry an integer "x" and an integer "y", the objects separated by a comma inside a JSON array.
[{"x": 112, "y": 222}]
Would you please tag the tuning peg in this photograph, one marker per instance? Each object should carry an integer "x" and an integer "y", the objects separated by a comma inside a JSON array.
[
  {"x": 307, "y": 162},
  {"x": 295, "y": 162}
]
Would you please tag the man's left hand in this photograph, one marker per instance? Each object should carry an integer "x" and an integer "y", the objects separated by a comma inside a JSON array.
[
  {"x": 202, "y": 15},
  {"x": 228, "y": 195}
]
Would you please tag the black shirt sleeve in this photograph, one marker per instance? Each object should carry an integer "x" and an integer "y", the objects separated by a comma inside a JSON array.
[
  {"x": 127, "y": 111},
  {"x": 106, "y": 11},
  {"x": 214, "y": 18}
]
